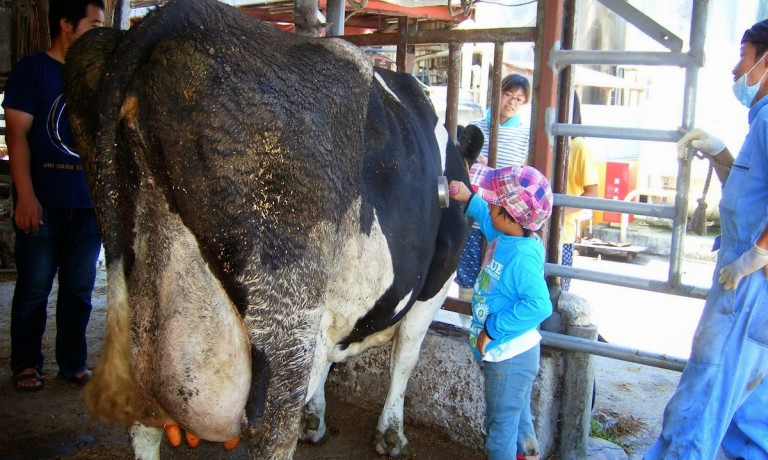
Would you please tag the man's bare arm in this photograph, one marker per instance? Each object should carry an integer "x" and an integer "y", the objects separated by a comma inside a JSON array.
[{"x": 28, "y": 213}]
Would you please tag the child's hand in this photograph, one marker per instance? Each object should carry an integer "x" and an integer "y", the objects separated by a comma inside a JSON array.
[
  {"x": 482, "y": 341},
  {"x": 459, "y": 191}
]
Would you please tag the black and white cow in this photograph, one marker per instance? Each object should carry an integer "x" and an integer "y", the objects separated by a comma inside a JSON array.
[{"x": 269, "y": 206}]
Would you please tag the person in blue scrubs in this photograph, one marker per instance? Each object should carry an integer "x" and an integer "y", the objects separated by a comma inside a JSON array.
[{"x": 722, "y": 397}]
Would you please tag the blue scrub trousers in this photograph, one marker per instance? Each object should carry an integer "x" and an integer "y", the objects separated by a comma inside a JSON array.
[
  {"x": 508, "y": 420},
  {"x": 68, "y": 242},
  {"x": 722, "y": 396}
]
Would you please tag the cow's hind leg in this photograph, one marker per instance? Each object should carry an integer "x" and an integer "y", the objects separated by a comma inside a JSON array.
[
  {"x": 313, "y": 427},
  {"x": 390, "y": 437},
  {"x": 146, "y": 441}
]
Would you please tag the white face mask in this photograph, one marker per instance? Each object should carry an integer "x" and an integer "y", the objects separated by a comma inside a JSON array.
[{"x": 746, "y": 93}]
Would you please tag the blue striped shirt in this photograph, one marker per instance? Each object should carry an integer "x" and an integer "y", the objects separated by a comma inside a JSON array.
[{"x": 513, "y": 143}]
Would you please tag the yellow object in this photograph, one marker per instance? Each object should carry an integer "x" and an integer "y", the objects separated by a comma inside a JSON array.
[{"x": 582, "y": 171}]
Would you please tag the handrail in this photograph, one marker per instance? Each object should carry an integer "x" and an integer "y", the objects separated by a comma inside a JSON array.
[
  {"x": 621, "y": 206},
  {"x": 426, "y": 37},
  {"x": 612, "y": 132},
  {"x": 567, "y": 342}
]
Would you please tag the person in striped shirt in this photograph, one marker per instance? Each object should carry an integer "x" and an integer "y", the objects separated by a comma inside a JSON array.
[
  {"x": 512, "y": 150},
  {"x": 512, "y": 147}
]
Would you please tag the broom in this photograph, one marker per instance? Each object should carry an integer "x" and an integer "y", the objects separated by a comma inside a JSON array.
[{"x": 698, "y": 224}]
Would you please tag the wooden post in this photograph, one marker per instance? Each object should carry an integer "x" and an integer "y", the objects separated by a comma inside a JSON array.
[
  {"x": 452, "y": 97},
  {"x": 405, "y": 52},
  {"x": 550, "y": 25},
  {"x": 576, "y": 405},
  {"x": 493, "y": 130}
]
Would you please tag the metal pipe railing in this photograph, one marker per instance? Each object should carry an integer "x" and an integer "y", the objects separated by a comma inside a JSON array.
[
  {"x": 649, "y": 58},
  {"x": 564, "y": 271},
  {"x": 698, "y": 35},
  {"x": 603, "y": 204},
  {"x": 614, "y": 132},
  {"x": 633, "y": 355}
]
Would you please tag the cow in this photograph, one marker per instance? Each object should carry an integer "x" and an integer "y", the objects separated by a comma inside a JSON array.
[{"x": 268, "y": 205}]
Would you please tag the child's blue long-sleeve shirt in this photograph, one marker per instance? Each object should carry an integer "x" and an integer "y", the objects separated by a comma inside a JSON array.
[{"x": 510, "y": 296}]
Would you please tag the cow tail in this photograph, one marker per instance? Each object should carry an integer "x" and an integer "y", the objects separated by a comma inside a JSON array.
[{"x": 112, "y": 394}]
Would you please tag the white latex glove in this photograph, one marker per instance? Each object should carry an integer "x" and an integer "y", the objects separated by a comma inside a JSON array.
[
  {"x": 699, "y": 140},
  {"x": 749, "y": 262}
]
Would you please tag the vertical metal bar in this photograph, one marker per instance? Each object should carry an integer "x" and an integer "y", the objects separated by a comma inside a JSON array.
[
  {"x": 493, "y": 130},
  {"x": 452, "y": 96},
  {"x": 334, "y": 16},
  {"x": 698, "y": 35},
  {"x": 549, "y": 23}
]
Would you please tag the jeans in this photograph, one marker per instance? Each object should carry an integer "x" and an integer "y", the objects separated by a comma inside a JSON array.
[
  {"x": 68, "y": 242},
  {"x": 508, "y": 420}
]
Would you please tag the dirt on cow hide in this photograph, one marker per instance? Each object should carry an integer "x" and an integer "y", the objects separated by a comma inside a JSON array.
[{"x": 53, "y": 423}]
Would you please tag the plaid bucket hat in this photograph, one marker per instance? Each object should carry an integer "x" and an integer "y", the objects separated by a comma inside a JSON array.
[{"x": 522, "y": 190}]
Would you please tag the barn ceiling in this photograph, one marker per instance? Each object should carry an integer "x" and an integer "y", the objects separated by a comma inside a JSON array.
[{"x": 362, "y": 16}]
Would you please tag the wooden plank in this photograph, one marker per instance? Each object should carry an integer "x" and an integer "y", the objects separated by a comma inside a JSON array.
[
  {"x": 607, "y": 247},
  {"x": 457, "y": 306}
]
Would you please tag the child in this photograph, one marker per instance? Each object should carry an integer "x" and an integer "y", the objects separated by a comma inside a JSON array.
[{"x": 510, "y": 299}]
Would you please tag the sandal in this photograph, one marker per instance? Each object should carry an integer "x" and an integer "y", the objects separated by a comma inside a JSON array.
[
  {"x": 19, "y": 378},
  {"x": 84, "y": 377}
]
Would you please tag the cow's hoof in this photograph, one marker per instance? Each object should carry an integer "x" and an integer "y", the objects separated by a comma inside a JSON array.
[
  {"x": 390, "y": 443},
  {"x": 313, "y": 429}
]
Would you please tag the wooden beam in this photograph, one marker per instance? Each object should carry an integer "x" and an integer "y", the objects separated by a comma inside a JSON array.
[
  {"x": 435, "y": 13},
  {"x": 452, "y": 95}
]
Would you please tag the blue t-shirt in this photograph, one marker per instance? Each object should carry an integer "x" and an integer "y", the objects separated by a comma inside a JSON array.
[
  {"x": 511, "y": 296},
  {"x": 35, "y": 87}
]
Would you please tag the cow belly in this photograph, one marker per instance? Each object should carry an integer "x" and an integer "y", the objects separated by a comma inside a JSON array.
[{"x": 191, "y": 349}]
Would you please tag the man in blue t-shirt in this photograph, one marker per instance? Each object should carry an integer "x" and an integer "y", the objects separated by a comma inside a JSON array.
[{"x": 56, "y": 229}]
